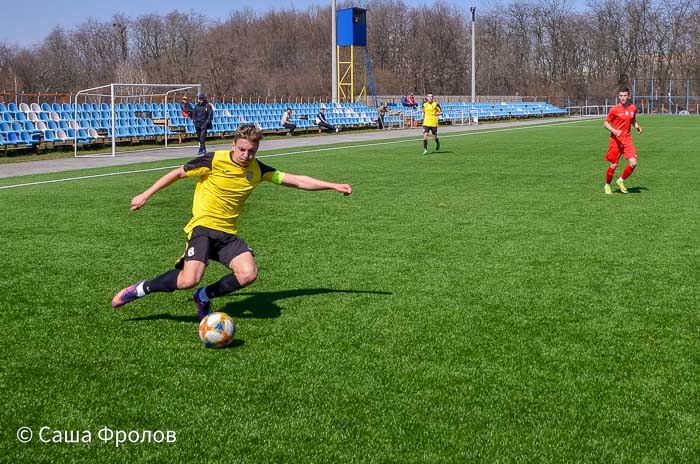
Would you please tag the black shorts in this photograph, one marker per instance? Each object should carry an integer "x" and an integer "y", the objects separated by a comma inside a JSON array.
[
  {"x": 427, "y": 129},
  {"x": 206, "y": 244}
]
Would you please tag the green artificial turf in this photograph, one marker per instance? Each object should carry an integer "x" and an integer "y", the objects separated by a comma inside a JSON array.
[{"x": 483, "y": 304}]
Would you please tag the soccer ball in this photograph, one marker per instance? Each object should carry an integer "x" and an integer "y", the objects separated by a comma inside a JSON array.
[{"x": 217, "y": 330}]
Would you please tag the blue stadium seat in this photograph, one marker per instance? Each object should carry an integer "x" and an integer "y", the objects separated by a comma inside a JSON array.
[
  {"x": 14, "y": 138},
  {"x": 26, "y": 126},
  {"x": 50, "y": 136},
  {"x": 28, "y": 138},
  {"x": 72, "y": 135}
]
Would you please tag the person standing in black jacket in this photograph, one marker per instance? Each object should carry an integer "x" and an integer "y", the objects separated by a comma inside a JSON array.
[{"x": 202, "y": 116}]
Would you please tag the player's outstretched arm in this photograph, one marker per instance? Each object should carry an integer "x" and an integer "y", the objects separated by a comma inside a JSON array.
[
  {"x": 309, "y": 183},
  {"x": 139, "y": 200}
]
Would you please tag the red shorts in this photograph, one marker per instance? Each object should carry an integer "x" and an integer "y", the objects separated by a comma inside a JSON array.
[{"x": 619, "y": 147}]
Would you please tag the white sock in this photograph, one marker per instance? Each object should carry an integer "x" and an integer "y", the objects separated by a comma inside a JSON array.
[
  {"x": 140, "y": 291},
  {"x": 620, "y": 179}
]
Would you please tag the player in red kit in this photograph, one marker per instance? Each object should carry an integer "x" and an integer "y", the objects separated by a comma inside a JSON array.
[{"x": 619, "y": 122}]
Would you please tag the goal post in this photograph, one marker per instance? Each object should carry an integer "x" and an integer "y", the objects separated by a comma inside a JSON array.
[{"x": 121, "y": 92}]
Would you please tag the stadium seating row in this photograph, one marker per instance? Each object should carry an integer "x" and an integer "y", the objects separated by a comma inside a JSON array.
[{"x": 33, "y": 124}]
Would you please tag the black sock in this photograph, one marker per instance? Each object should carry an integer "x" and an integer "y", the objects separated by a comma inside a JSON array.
[
  {"x": 425, "y": 144},
  {"x": 224, "y": 286},
  {"x": 163, "y": 283},
  {"x": 437, "y": 141}
]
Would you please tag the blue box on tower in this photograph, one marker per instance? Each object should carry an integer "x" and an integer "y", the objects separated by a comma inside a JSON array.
[{"x": 351, "y": 27}]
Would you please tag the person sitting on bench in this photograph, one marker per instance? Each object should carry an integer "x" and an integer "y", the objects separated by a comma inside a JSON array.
[{"x": 323, "y": 123}]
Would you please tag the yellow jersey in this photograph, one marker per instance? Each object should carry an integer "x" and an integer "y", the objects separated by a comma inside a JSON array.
[
  {"x": 430, "y": 113},
  {"x": 223, "y": 188}
]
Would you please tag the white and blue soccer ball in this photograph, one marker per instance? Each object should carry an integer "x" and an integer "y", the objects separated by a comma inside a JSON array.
[{"x": 217, "y": 330}]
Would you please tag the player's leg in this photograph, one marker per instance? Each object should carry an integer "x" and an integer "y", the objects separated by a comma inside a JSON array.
[
  {"x": 188, "y": 273},
  {"x": 239, "y": 258},
  {"x": 425, "y": 140},
  {"x": 631, "y": 156},
  {"x": 437, "y": 140},
  {"x": 612, "y": 156},
  {"x": 609, "y": 177},
  {"x": 203, "y": 141},
  {"x": 198, "y": 130},
  {"x": 629, "y": 169},
  {"x": 175, "y": 279}
]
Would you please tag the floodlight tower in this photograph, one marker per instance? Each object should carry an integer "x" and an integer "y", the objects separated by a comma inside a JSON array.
[
  {"x": 334, "y": 59},
  {"x": 351, "y": 33},
  {"x": 473, "y": 11}
]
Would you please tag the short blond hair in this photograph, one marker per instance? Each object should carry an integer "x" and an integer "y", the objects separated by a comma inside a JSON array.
[{"x": 248, "y": 132}]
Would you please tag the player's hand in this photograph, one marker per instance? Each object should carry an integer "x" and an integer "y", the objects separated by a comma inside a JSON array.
[
  {"x": 138, "y": 201},
  {"x": 345, "y": 189},
  {"x": 617, "y": 132},
  {"x": 639, "y": 130}
]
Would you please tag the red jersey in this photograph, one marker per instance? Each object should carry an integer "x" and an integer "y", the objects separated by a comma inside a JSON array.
[{"x": 621, "y": 118}]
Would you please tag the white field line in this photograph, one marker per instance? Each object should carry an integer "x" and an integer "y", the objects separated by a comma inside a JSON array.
[{"x": 299, "y": 152}]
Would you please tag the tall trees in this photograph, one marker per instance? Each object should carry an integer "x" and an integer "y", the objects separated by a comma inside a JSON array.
[{"x": 540, "y": 47}]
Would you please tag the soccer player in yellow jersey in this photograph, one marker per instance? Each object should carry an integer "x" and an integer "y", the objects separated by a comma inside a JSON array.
[
  {"x": 225, "y": 180},
  {"x": 431, "y": 111}
]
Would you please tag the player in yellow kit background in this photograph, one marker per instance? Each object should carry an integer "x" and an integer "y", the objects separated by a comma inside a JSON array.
[{"x": 431, "y": 112}]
